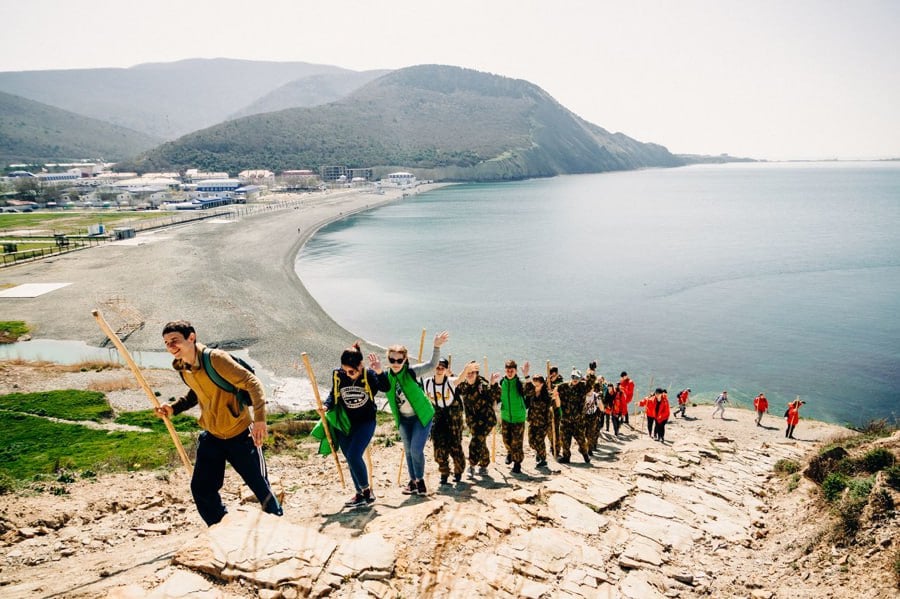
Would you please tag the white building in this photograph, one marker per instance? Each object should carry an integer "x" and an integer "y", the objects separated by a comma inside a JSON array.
[{"x": 400, "y": 179}]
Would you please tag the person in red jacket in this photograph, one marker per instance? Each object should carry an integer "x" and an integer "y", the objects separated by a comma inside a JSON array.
[
  {"x": 761, "y": 404},
  {"x": 649, "y": 405},
  {"x": 662, "y": 414},
  {"x": 793, "y": 417},
  {"x": 619, "y": 409},
  {"x": 683, "y": 397},
  {"x": 627, "y": 386}
]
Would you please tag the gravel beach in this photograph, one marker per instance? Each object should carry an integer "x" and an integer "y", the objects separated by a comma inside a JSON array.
[{"x": 233, "y": 279}]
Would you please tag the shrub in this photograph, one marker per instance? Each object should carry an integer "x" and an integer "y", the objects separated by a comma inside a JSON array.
[
  {"x": 877, "y": 459},
  {"x": 849, "y": 515},
  {"x": 821, "y": 466},
  {"x": 892, "y": 476},
  {"x": 7, "y": 484},
  {"x": 859, "y": 488},
  {"x": 785, "y": 466},
  {"x": 833, "y": 485}
]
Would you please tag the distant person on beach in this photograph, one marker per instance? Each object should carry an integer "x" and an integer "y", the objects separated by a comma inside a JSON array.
[
  {"x": 509, "y": 392},
  {"x": 627, "y": 386},
  {"x": 413, "y": 412},
  {"x": 793, "y": 417},
  {"x": 539, "y": 417},
  {"x": 474, "y": 391},
  {"x": 446, "y": 434},
  {"x": 683, "y": 397},
  {"x": 721, "y": 400},
  {"x": 649, "y": 405},
  {"x": 661, "y": 412},
  {"x": 231, "y": 433},
  {"x": 761, "y": 405},
  {"x": 351, "y": 407}
]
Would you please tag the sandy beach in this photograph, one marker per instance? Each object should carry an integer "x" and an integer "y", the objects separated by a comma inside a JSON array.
[{"x": 233, "y": 279}]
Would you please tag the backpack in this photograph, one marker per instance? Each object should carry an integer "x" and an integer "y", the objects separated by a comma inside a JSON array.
[{"x": 243, "y": 395}]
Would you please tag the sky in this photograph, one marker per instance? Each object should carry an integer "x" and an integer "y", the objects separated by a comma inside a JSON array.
[{"x": 769, "y": 79}]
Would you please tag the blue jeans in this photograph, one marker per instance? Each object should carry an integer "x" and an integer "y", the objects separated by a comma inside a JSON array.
[
  {"x": 414, "y": 437},
  {"x": 209, "y": 474},
  {"x": 353, "y": 446}
]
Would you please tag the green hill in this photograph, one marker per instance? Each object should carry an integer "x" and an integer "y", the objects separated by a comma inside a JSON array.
[
  {"x": 440, "y": 122},
  {"x": 164, "y": 100},
  {"x": 32, "y": 132}
]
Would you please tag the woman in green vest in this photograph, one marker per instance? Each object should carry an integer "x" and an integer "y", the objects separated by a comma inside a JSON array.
[{"x": 412, "y": 410}]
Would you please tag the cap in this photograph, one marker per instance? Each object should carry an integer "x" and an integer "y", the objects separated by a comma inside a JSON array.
[
  {"x": 576, "y": 374},
  {"x": 444, "y": 362}
]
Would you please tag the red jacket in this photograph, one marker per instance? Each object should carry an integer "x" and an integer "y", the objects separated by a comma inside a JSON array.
[
  {"x": 683, "y": 397},
  {"x": 620, "y": 405},
  {"x": 628, "y": 387},
  {"x": 649, "y": 405},
  {"x": 793, "y": 416},
  {"x": 662, "y": 408},
  {"x": 761, "y": 403}
]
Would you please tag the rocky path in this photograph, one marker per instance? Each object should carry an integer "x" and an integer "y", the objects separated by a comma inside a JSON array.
[{"x": 642, "y": 520}]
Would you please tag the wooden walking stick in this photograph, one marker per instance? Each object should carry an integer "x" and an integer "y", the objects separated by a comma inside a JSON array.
[
  {"x": 496, "y": 424},
  {"x": 104, "y": 326},
  {"x": 315, "y": 386}
]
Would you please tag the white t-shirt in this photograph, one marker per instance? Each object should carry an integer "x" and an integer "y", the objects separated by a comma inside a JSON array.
[{"x": 441, "y": 394}]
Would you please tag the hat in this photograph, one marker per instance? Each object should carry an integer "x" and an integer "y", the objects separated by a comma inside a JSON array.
[
  {"x": 444, "y": 362},
  {"x": 576, "y": 374}
]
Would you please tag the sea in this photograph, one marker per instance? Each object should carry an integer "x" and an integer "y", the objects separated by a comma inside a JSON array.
[{"x": 782, "y": 278}]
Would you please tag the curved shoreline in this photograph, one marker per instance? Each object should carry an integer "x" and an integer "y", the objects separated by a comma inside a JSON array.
[{"x": 233, "y": 279}]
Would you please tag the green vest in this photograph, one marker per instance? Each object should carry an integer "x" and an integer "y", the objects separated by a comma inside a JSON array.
[
  {"x": 512, "y": 403},
  {"x": 415, "y": 395}
]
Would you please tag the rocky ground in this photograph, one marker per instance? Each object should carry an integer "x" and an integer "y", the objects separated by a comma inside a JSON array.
[{"x": 704, "y": 515}]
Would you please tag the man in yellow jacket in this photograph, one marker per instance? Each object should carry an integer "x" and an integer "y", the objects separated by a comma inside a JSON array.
[{"x": 230, "y": 434}]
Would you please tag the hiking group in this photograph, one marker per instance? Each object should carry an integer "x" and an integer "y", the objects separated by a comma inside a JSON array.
[{"x": 440, "y": 407}]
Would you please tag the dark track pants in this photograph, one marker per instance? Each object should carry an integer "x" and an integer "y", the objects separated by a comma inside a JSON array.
[{"x": 209, "y": 474}]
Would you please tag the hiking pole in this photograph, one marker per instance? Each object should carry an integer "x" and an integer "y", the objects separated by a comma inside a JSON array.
[
  {"x": 315, "y": 386},
  {"x": 104, "y": 326},
  {"x": 496, "y": 424}
]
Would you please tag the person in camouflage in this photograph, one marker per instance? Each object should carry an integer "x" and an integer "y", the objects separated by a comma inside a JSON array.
[
  {"x": 571, "y": 401},
  {"x": 509, "y": 392},
  {"x": 475, "y": 393},
  {"x": 539, "y": 417},
  {"x": 553, "y": 382},
  {"x": 446, "y": 433}
]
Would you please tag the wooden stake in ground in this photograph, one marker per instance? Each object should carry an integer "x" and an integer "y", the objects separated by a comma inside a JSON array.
[
  {"x": 107, "y": 330},
  {"x": 315, "y": 386}
]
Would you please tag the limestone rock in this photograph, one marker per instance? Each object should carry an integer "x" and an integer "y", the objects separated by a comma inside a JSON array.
[{"x": 575, "y": 516}]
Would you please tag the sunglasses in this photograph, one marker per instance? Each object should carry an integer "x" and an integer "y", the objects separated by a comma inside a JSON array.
[
  {"x": 396, "y": 360},
  {"x": 350, "y": 371}
]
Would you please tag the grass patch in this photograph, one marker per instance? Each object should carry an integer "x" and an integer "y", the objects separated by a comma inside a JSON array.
[
  {"x": 69, "y": 404},
  {"x": 785, "y": 466},
  {"x": 10, "y": 330},
  {"x": 183, "y": 423},
  {"x": 876, "y": 460},
  {"x": 34, "y": 446},
  {"x": 833, "y": 485},
  {"x": 892, "y": 476}
]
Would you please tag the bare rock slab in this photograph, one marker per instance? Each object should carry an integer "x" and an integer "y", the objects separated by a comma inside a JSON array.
[
  {"x": 573, "y": 515},
  {"x": 596, "y": 492}
]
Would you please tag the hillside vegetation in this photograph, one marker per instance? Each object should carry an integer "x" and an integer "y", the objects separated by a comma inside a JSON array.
[
  {"x": 32, "y": 132},
  {"x": 442, "y": 122}
]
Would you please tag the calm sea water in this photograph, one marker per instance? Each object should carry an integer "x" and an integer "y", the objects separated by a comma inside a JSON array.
[{"x": 782, "y": 278}]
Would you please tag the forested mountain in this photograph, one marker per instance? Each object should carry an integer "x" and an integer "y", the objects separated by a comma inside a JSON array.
[
  {"x": 165, "y": 100},
  {"x": 310, "y": 91},
  {"x": 32, "y": 132},
  {"x": 441, "y": 122}
]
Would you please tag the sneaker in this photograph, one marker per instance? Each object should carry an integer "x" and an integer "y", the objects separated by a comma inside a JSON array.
[
  {"x": 517, "y": 468},
  {"x": 471, "y": 471},
  {"x": 457, "y": 477},
  {"x": 420, "y": 488},
  {"x": 482, "y": 470},
  {"x": 355, "y": 501},
  {"x": 564, "y": 460},
  {"x": 541, "y": 464},
  {"x": 444, "y": 479},
  {"x": 409, "y": 489},
  {"x": 508, "y": 460},
  {"x": 587, "y": 457},
  {"x": 368, "y": 496}
]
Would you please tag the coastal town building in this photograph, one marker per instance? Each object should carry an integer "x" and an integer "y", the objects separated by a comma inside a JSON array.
[{"x": 400, "y": 179}]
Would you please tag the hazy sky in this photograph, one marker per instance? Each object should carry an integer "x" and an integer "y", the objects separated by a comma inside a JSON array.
[{"x": 772, "y": 79}]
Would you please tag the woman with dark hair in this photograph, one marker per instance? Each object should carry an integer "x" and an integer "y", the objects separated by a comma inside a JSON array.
[
  {"x": 352, "y": 399},
  {"x": 413, "y": 411},
  {"x": 540, "y": 405}
]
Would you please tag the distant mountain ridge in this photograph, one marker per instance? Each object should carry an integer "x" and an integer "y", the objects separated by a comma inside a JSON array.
[
  {"x": 164, "y": 100},
  {"x": 32, "y": 132},
  {"x": 442, "y": 122}
]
